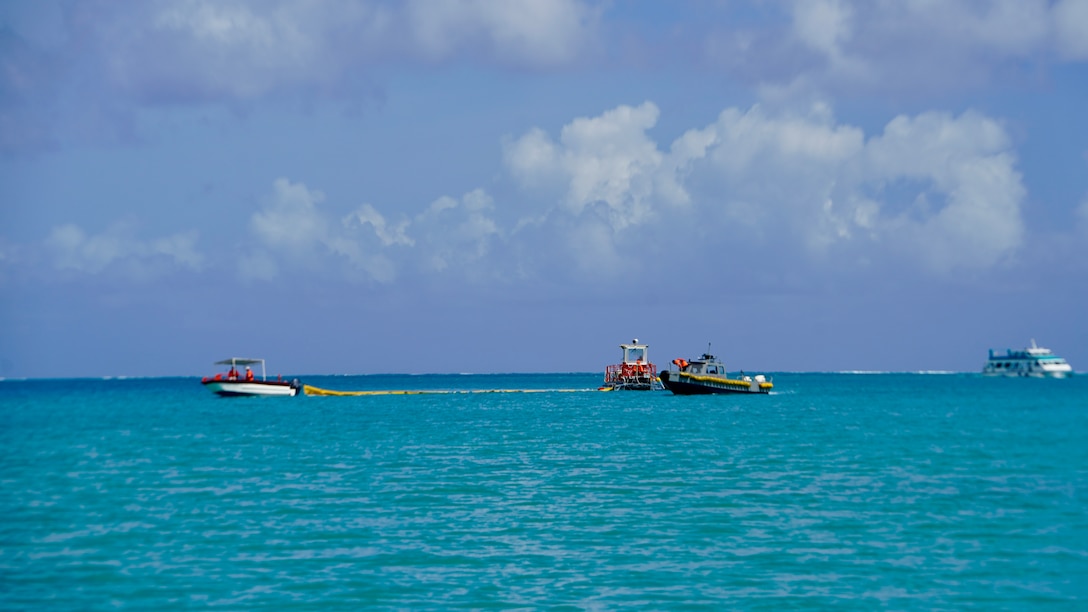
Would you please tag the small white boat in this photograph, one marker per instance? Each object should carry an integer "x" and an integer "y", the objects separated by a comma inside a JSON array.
[
  {"x": 238, "y": 384},
  {"x": 1034, "y": 361}
]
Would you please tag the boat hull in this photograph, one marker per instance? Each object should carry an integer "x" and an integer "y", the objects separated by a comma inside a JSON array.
[
  {"x": 1033, "y": 374},
  {"x": 681, "y": 383},
  {"x": 1031, "y": 362},
  {"x": 640, "y": 386},
  {"x": 250, "y": 388}
]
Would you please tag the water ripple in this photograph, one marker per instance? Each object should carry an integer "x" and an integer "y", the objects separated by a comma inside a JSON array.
[{"x": 823, "y": 495}]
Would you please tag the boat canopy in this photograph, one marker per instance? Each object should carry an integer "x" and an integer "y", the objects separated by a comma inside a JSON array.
[
  {"x": 239, "y": 361},
  {"x": 243, "y": 361}
]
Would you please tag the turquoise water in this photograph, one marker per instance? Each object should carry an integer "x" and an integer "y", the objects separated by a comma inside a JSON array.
[{"x": 899, "y": 491}]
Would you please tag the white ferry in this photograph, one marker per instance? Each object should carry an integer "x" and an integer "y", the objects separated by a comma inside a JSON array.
[{"x": 1033, "y": 361}]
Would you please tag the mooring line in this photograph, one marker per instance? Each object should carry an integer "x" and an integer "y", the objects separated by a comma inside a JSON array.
[{"x": 311, "y": 390}]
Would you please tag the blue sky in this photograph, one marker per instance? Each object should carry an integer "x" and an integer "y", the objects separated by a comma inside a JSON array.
[{"x": 490, "y": 186}]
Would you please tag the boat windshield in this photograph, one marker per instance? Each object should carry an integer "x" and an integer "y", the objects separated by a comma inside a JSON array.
[{"x": 631, "y": 354}]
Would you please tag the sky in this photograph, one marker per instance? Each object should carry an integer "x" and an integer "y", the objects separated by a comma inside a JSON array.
[{"x": 471, "y": 186}]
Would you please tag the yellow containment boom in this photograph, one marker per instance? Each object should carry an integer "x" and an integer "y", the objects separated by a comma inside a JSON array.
[{"x": 311, "y": 390}]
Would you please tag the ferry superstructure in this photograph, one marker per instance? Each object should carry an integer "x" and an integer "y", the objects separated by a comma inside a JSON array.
[{"x": 1034, "y": 361}]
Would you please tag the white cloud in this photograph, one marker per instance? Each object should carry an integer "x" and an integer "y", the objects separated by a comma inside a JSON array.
[
  {"x": 374, "y": 264},
  {"x": 531, "y": 32},
  {"x": 199, "y": 50},
  {"x": 533, "y": 159},
  {"x": 779, "y": 173},
  {"x": 1081, "y": 215},
  {"x": 823, "y": 24},
  {"x": 967, "y": 161},
  {"x": 457, "y": 233},
  {"x": 934, "y": 191},
  {"x": 1007, "y": 28},
  {"x": 296, "y": 232},
  {"x": 826, "y": 26},
  {"x": 821, "y": 182},
  {"x": 291, "y": 219},
  {"x": 72, "y": 248},
  {"x": 239, "y": 52},
  {"x": 258, "y": 265},
  {"x": 449, "y": 234},
  {"x": 744, "y": 138},
  {"x": 180, "y": 248},
  {"x": 937, "y": 190},
  {"x": 912, "y": 47},
  {"x": 367, "y": 215},
  {"x": 1071, "y": 25},
  {"x": 366, "y": 235},
  {"x": 610, "y": 159},
  {"x": 591, "y": 244},
  {"x": 606, "y": 163}
]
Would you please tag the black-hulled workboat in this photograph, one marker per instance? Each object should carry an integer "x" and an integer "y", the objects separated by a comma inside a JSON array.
[{"x": 706, "y": 375}]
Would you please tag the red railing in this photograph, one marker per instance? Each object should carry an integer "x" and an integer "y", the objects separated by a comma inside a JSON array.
[{"x": 630, "y": 372}]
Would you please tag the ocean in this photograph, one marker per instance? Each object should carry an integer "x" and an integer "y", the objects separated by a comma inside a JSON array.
[{"x": 846, "y": 490}]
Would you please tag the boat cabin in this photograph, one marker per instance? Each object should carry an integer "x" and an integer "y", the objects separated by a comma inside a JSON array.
[
  {"x": 634, "y": 353},
  {"x": 706, "y": 365},
  {"x": 635, "y": 372}
]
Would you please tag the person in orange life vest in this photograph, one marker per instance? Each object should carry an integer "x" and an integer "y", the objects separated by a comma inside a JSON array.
[
  {"x": 249, "y": 373},
  {"x": 233, "y": 374}
]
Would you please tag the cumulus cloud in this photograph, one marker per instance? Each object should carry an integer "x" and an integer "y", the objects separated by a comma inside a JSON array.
[
  {"x": 1071, "y": 25},
  {"x": 389, "y": 234},
  {"x": 364, "y": 236},
  {"x": 72, "y": 248},
  {"x": 966, "y": 161},
  {"x": 457, "y": 233},
  {"x": 917, "y": 47},
  {"x": 293, "y": 230},
  {"x": 449, "y": 234},
  {"x": 934, "y": 191},
  {"x": 938, "y": 190},
  {"x": 533, "y": 32},
  {"x": 103, "y": 58},
  {"x": 290, "y": 219},
  {"x": 1082, "y": 217},
  {"x": 198, "y": 50},
  {"x": 826, "y": 26},
  {"x": 777, "y": 173},
  {"x": 205, "y": 50},
  {"x": 99, "y": 60},
  {"x": 607, "y": 163}
]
